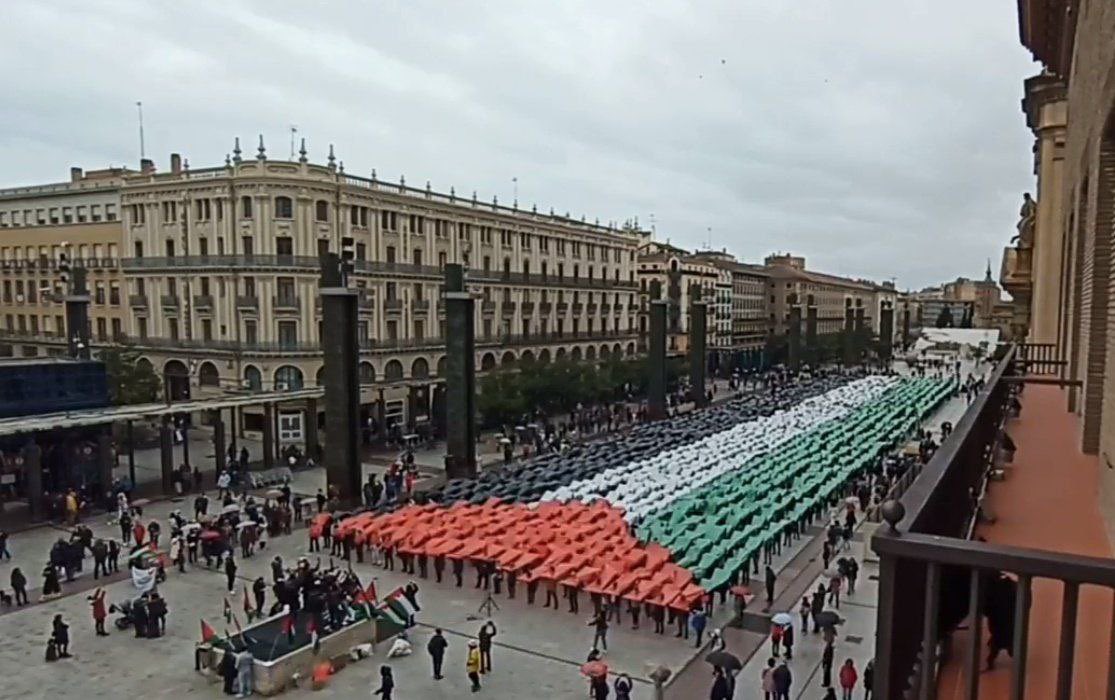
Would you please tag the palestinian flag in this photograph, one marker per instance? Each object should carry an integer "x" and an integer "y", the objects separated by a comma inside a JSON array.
[
  {"x": 370, "y": 592},
  {"x": 208, "y": 634},
  {"x": 398, "y": 608}
]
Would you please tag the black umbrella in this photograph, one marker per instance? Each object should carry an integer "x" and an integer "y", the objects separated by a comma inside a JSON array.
[
  {"x": 724, "y": 660},
  {"x": 827, "y": 618}
]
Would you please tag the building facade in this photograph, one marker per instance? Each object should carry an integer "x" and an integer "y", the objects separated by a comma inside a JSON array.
[
  {"x": 677, "y": 272},
  {"x": 1061, "y": 257},
  {"x": 42, "y": 229},
  {"x": 220, "y": 272}
]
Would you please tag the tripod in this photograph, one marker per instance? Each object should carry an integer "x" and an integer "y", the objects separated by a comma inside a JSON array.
[{"x": 488, "y": 605}]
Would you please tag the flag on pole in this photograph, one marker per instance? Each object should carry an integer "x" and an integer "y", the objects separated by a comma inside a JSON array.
[
  {"x": 236, "y": 623},
  {"x": 208, "y": 634},
  {"x": 227, "y": 612},
  {"x": 370, "y": 591},
  {"x": 398, "y": 598}
]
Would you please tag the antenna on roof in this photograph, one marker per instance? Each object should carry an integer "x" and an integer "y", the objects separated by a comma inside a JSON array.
[
  {"x": 293, "y": 131},
  {"x": 142, "y": 149}
]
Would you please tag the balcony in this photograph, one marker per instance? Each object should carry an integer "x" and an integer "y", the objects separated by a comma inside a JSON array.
[
  {"x": 1051, "y": 541},
  {"x": 562, "y": 307},
  {"x": 203, "y": 302},
  {"x": 488, "y": 307},
  {"x": 592, "y": 309},
  {"x": 393, "y": 307},
  {"x": 527, "y": 308},
  {"x": 286, "y": 303},
  {"x": 578, "y": 308},
  {"x": 545, "y": 308},
  {"x": 607, "y": 309},
  {"x": 169, "y": 301},
  {"x": 247, "y": 303},
  {"x": 507, "y": 308},
  {"x": 420, "y": 306},
  {"x": 137, "y": 301}
]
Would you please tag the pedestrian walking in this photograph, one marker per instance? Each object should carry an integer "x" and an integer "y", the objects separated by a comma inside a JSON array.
[
  {"x": 436, "y": 648},
  {"x": 386, "y": 683},
  {"x": 767, "y": 681},
  {"x": 472, "y": 664},
  {"x": 61, "y": 636},
  {"x": 599, "y": 622},
  {"x": 228, "y": 671},
  {"x": 99, "y": 612},
  {"x": 4, "y": 553},
  {"x": 848, "y": 678},
  {"x": 720, "y": 688},
  {"x": 485, "y": 636},
  {"x": 835, "y": 583},
  {"x": 826, "y": 666},
  {"x": 788, "y": 641},
  {"x": 230, "y": 572},
  {"x": 803, "y": 610},
  {"x": 817, "y": 606},
  {"x": 783, "y": 679},
  {"x": 775, "y": 638},
  {"x": 19, "y": 586},
  {"x": 771, "y": 578},
  {"x": 244, "y": 663},
  {"x": 869, "y": 680},
  {"x": 698, "y": 620}
]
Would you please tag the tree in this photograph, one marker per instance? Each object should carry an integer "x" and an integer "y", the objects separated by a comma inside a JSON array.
[{"x": 129, "y": 380}]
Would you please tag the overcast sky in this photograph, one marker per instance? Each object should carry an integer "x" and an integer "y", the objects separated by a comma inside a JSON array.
[{"x": 877, "y": 138}]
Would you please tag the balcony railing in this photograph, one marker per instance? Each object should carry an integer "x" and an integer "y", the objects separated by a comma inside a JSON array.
[
  {"x": 137, "y": 301},
  {"x": 420, "y": 306},
  {"x": 488, "y": 307},
  {"x": 286, "y": 302},
  {"x": 1040, "y": 358},
  {"x": 545, "y": 307},
  {"x": 203, "y": 301},
  {"x": 169, "y": 301},
  {"x": 247, "y": 302},
  {"x": 592, "y": 309},
  {"x": 562, "y": 307},
  {"x": 527, "y": 308},
  {"x": 393, "y": 306},
  {"x": 928, "y": 560},
  {"x": 507, "y": 308}
]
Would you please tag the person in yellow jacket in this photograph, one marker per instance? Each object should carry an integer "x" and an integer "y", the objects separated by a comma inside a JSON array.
[{"x": 472, "y": 664}]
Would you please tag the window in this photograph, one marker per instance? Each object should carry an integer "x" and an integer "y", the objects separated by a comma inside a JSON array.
[
  {"x": 114, "y": 294},
  {"x": 285, "y": 286},
  {"x": 288, "y": 333},
  {"x": 390, "y": 254},
  {"x": 387, "y": 220},
  {"x": 203, "y": 246},
  {"x": 206, "y": 329},
  {"x": 110, "y": 212},
  {"x": 417, "y": 256},
  {"x": 251, "y": 332},
  {"x": 170, "y": 248},
  {"x": 361, "y": 251},
  {"x": 284, "y": 245},
  {"x": 117, "y": 329},
  {"x": 139, "y": 249},
  {"x": 172, "y": 327},
  {"x": 284, "y": 208},
  {"x": 246, "y": 207},
  {"x": 392, "y": 330},
  {"x": 321, "y": 210},
  {"x": 247, "y": 246}
]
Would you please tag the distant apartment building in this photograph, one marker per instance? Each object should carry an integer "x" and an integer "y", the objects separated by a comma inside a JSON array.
[
  {"x": 677, "y": 273},
  {"x": 40, "y": 227}
]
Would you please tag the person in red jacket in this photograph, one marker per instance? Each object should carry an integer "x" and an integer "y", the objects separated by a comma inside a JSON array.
[
  {"x": 99, "y": 612},
  {"x": 848, "y": 678},
  {"x": 139, "y": 532}
]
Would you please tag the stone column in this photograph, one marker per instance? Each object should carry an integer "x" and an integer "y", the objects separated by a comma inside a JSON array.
[
  {"x": 811, "y": 349},
  {"x": 905, "y": 324},
  {"x": 656, "y": 361},
  {"x": 460, "y": 376},
  {"x": 848, "y": 336},
  {"x": 698, "y": 327},
  {"x": 77, "y": 315},
  {"x": 32, "y": 456},
  {"x": 268, "y": 436},
  {"x": 313, "y": 447},
  {"x": 105, "y": 463},
  {"x": 218, "y": 441},
  {"x": 166, "y": 453},
  {"x": 860, "y": 333},
  {"x": 793, "y": 332},
  {"x": 185, "y": 440},
  {"x": 339, "y": 305},
  {"x": 886, "y": 332}
]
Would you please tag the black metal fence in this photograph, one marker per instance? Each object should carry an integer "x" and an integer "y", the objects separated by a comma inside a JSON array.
[{"x": 931, "y": 576}]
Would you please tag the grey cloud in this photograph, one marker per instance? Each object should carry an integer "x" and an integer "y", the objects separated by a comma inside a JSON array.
[{"x": 878, "y": 139}]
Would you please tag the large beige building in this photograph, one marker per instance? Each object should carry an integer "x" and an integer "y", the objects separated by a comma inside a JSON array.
[
  {"x": 43, "y": 225},
  {"x": 221, "y": 270},
  {"x": 678, "y": 272}
]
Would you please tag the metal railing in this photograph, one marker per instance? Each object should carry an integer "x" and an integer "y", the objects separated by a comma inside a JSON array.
[
  {"x": 247, "y": 302},
  {"x": 203, "y": 301},
  {"x": 169, "y": 301},
  {"x": 1040, "y": 358},
  {"x": 286, "y": 302},
  {"x": 932, "y": 574}
]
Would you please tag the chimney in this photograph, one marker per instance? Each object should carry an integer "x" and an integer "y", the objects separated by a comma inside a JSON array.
[
  {"x": 75, "y": 174},
  {"x": 175, "y": 163},
  {"x": 147, "y": 166}
]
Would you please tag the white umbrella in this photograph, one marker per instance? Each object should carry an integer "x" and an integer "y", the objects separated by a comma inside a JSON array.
[
  {"x": 231, "y": 508},
  {"x": 783, "y": 619}
]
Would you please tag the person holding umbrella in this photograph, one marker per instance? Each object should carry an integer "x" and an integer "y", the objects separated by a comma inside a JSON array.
[
  {"x": 788, "y": 640},
  {"x": 826, "y": 666},
  {"x": 597, "y": 673},
  {"x": 721, "y": 690}
]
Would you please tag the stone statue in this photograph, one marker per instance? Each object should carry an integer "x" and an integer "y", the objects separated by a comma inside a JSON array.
[{"x": 1026, "y": 217}]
